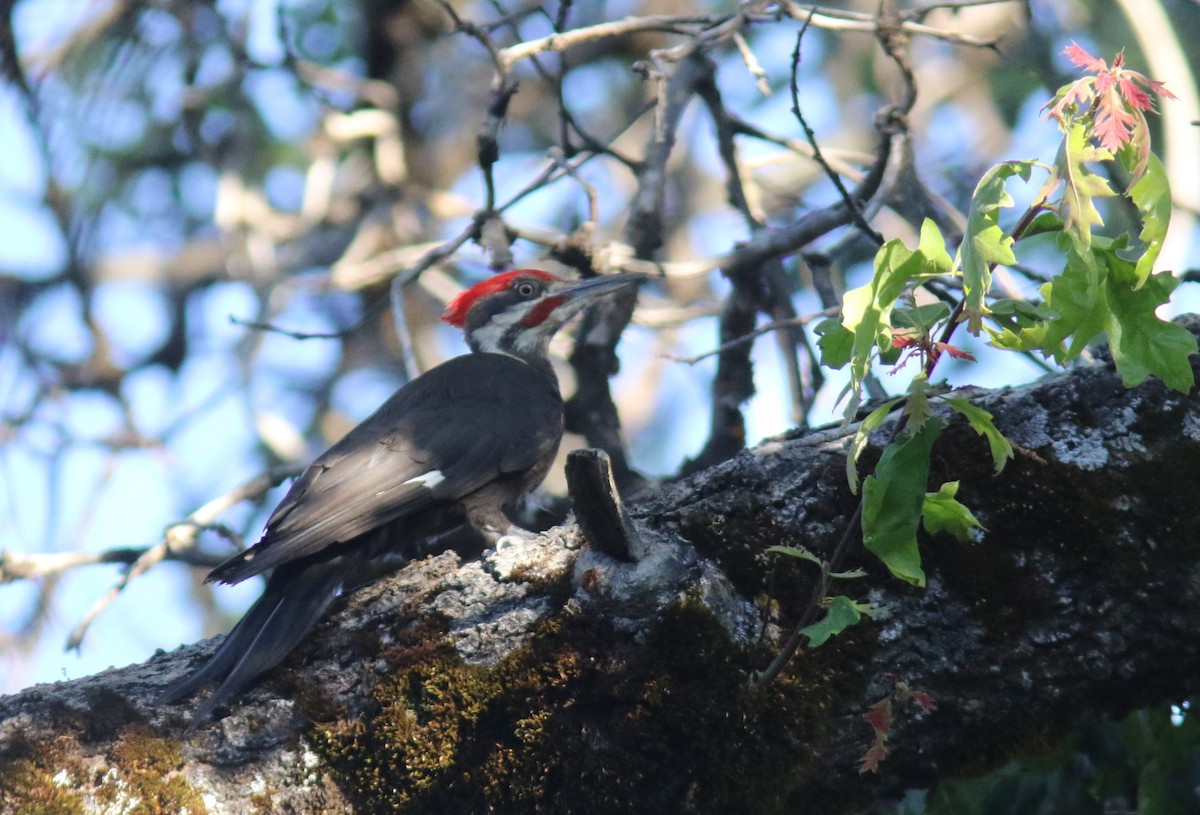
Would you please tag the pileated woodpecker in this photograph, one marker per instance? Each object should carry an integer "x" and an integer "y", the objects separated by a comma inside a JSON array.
[{"x": 451, "y": 448}]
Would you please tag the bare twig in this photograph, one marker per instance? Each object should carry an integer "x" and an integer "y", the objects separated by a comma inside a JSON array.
[
  {"x": 766, "y": 289},
  {"x": 837, "y": 20},
  {"x": 687, "y": 25},
  {"x": 181, "y": 538},
  {"x": 16, "y": 566},
  {"x": 761, "y": 80},
  {"x": 591, "y": 410},
  {"x": 794, "y": 85},
  {"x": 758, "y": 332},
  {"x": 255, "y": 325}
]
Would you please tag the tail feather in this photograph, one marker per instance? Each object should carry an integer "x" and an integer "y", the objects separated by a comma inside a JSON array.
[{"x": 290, "y": 606}]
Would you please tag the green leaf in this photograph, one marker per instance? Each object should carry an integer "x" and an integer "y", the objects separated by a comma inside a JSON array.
[
  {"x": 1044, "y": 222},
  {"x": 892, "y": 502},
  {"x": 931, "y": 247},
  {"x": 921, "y": 317},
  {"x": 918, "y": 409},
  {"x": 842, "y": 613},
  {"x": 1021, "y": 310},
  {"x": 873, "y": 420},
  {"x": 1141, "y": 343},
  {"x": 981, "y": 423},
  {"x": 1020, "y": 325},
  {"x": 796, "y": 552},
  {"x": 1152, "y": 196},
  {"x": 943, "y": 512},
  {"x": 852, "y": 574},
  {"x": 835, "y": 341},
  {"x": 1081, "y": 187},
  {"x": 984, "y": 243},
  {"x": 1027, "y": 339},
  {"x": 866, "y": 310},
  {"x": 1077, "y": 303}
]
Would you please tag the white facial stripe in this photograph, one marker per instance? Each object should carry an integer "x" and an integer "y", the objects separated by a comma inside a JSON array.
[
  {"x": 504, "y": 334},
  {"x": 490, "y": 337},
  {"x": 528, "y": 342}
]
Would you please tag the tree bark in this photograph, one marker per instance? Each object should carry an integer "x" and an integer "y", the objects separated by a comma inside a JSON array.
[{"x": 549, "y": 677}]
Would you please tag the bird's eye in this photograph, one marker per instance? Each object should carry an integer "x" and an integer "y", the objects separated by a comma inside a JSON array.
[{"x": 526, "y": 289}]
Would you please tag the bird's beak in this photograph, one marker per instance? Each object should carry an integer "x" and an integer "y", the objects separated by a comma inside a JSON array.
[
  {"x": 567, "y": 298},
  {"x": 581, "y": 292}
]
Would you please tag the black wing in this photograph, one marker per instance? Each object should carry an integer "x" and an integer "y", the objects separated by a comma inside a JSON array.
[{"x": 429, "y": 442}]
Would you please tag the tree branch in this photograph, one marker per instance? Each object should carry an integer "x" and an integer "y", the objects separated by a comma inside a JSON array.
[{"x": 594, "y": 685}]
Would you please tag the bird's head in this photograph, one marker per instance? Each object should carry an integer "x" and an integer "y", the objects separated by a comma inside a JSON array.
[{"x": 516, "y": 313}]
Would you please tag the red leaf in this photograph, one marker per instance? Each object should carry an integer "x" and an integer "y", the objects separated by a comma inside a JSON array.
[
  {"x": 1156, "y": 87},
  {"x": 1117, "y": 97},
  {"x": 1078, "y": 93},
  {"x": 1113, "y": 122},
  {"x": 880, "y": 716},
  {"x": 1134, "y": 95},
  {"x": 1083, "y": 59},
  {"x": 871, "y": 760},
  {"x": 955, "y": 352},
  {"x": 924, "y": 700}
]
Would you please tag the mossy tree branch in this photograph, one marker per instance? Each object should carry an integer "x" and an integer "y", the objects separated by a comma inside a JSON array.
[{"x": 552, "y": 676}]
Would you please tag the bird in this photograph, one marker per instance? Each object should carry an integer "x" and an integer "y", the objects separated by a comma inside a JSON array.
[{"x": 448, "y": 451}]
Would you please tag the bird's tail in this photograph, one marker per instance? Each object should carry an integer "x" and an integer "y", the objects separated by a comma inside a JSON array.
[{"x": 293, "y": 601}]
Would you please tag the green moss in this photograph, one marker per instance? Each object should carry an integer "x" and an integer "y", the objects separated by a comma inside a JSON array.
[
  {"x": 737, "y": 540},
  {"x": 49, "y": 778},
  {"x": 40, "y": 778},
  {"x": 570, "y": 724},
  {"x": 150, "y": 770}
]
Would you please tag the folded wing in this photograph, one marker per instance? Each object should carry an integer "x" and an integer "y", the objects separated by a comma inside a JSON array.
[{"x": 421, "y": 447}]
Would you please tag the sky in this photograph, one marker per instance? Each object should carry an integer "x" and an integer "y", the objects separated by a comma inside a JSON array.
[{"x": 59, "y": 499}]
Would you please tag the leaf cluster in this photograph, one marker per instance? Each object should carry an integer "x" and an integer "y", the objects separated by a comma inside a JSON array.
[{"x": 1104, "y": 288}]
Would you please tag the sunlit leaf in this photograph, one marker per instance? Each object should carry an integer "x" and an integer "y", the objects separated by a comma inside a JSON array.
[
  {"x": 1077, "y": 303},
  {"x": 835, "y": 341},
  {"x": 1080, "y": 186},
  {"x": 1143, "y": 344},
  {"x": 865, "y": 428},
  {"x": 943, "y": 512},
  {"x": 931, "y": 247},
  {"x": 921, "y": 317},
  {"x": 850, "y": 574},
  {"x": 985, "y": 243},
  {"x": 866, "y": 310},
  {"x": 1152, "y": 196},
  {"x": 1020, "y": 325}
]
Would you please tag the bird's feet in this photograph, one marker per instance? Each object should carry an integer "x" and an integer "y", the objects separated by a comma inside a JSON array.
[{"x": 509, "y": 536}]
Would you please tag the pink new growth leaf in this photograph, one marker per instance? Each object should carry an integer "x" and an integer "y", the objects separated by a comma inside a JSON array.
[
  {"x": 1112, "y": 104},
  {"x": 1113, "y": 122},
  {"x": 1135, "y": 95},
  {"x": 1083, "y": 59}
]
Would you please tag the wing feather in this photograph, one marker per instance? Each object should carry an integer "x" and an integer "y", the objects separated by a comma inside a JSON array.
[{"x": 378, "y": 472}]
